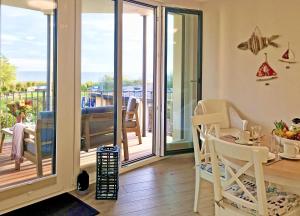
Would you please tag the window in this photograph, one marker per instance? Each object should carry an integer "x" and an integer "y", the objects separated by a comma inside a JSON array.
[{"x": 27, "y": 91}]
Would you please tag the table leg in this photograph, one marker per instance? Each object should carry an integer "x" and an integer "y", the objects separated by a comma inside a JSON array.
[{"x": 2, "y": 141}]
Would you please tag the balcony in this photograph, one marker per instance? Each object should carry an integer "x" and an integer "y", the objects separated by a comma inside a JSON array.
[{"x": 91, "y": 99}]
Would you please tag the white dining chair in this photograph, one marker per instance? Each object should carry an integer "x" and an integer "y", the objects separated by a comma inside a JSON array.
[
  {"x": 231, "y": 123},
  {"x": 202, "y": 126},
  {"x": 237, "y": 195}
]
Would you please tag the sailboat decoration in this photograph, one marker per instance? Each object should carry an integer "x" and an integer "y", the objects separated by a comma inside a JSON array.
[
  {"x": 266, "y": 72},
  {"x": 288, "y": 57}
]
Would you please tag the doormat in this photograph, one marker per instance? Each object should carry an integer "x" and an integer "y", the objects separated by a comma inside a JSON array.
[{"x": 62, "y": 205}]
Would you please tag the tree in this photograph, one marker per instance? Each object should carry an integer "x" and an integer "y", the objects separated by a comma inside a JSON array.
[
  {"x": 7, "y": 72},
  {"x": 108, "y": 82}
]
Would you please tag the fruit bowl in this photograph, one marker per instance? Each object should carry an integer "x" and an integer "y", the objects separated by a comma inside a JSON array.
[
  {"x": 283, "y": 140},
  {"x": 284, "y": 134}
]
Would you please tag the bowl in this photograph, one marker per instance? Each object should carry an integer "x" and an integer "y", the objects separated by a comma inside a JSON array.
[{"x": 283, "y": 140}]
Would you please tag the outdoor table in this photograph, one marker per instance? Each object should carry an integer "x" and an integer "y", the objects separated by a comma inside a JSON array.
[
  {"x": 5, "y": 131},
  {"x": 8, "y": 131}
]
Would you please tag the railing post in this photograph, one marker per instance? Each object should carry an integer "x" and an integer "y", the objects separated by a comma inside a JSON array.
[
  {"x": 37, "y": 102},
  {"x": 44, "y": 100}
]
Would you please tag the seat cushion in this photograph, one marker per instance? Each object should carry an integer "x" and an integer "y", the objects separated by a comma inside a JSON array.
[
  {"x": 102, "y": 109},
  {"x": 278, "y": 202},
  {"x": 47, "y": 149},
  {"x": 207, "y": 167}
]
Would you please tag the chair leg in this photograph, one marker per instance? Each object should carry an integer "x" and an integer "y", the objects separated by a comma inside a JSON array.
[
  {"x": 39, "y": 163},
  {"x": 39, "y": 169},
  {"x": 139, "y": 136},
  {"x": 125, "y": 144},
  {"x": 17, "y": 165},
  {"x": 2, "y": 141},
  {"x": 197, "y": 190}
]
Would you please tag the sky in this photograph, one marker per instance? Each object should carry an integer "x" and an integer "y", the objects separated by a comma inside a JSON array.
[
  {"x": 23, "y": 38},
  {"x": 24, "y": 42}
]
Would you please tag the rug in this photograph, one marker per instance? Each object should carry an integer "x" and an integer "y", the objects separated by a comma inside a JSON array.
[{"x": 62, "y": 205}]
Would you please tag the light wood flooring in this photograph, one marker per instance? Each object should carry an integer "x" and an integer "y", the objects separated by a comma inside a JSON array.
[
  {"x": 10, "y": 176},
  {"x": 164, "y": 188}
]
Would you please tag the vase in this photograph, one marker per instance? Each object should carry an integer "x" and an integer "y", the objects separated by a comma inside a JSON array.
[{"x": 20, "y": 118}]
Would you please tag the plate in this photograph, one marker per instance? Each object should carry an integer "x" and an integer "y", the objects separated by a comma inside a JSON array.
[
  {"x": 244, "y": 143},
  {"x": 297, "y": 157},
  {"x": 271, "y": 156}
]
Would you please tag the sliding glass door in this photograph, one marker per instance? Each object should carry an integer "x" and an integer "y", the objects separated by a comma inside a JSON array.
[
  {"x": 97, "y": 77},
  {"x": 138, "y": 86},
  {"x": 36, "y": 102},
  {"x": 27, "y": 92},
  {"x": 182, "y": 76}
]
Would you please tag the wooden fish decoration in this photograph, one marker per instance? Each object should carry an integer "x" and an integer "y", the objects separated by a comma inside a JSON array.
[{"x": 256, "y": 42}]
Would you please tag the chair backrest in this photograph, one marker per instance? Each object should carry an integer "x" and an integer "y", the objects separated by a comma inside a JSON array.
[
  {"x": 203, "y": 125},
  {"x": 248, "y": 157},
  {"x": 216, "y": 106},
  {"x": 45, "y": 132},
  {"x": 45, "y": 125},
  {"x": 132, "y": 106}
]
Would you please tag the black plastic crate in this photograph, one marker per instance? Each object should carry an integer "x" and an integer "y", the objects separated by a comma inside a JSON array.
[{"x": 107, "y": 180}]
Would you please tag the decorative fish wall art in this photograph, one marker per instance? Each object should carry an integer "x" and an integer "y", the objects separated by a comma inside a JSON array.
[
  {"x": 288, "y": 57},
  {"x": 257, "y": 42},
  {"x": 266, "y": 72}
]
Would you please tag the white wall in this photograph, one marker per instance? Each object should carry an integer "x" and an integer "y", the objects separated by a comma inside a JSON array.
[{"x": 230, "y": 22}]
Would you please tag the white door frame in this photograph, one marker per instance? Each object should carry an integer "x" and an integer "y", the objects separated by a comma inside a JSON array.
[{"x": 39, "y": 189}]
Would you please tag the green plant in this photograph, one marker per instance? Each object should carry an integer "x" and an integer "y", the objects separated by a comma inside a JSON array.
[
  {"x": 7, "y": 120},
  {"x": 7, "y": 72}
]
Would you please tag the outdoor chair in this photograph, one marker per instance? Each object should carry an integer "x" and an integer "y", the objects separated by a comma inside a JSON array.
[
  {"x": 39, "y": 143},
  {"x": 97, "y": 128},
  {"x": 132, "y": 118}
]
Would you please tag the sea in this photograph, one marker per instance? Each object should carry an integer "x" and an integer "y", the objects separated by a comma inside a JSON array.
[{"x": 26, "y": 76}]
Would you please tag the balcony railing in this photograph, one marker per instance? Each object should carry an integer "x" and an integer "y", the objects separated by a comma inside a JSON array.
[{"x": 88, "y": 99}]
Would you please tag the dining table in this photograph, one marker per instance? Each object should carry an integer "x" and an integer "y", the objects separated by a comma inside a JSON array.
[{"x": 282, "y": 172}]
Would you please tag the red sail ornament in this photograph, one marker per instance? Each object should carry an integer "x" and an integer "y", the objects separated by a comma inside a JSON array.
[
  {"x": 266, "y": 72},
  {"x": 288, "y": 57}
]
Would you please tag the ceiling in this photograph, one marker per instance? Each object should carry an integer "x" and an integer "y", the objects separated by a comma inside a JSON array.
[
  {"x": 90, "y": 6},
  {"x": 106, "y": 6}
]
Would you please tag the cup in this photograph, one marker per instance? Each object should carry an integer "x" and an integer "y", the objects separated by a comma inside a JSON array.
[
  {"x": 290, "y": 149},
  {"x": 256, "y": 132},
  {"x": 244, "y": 136}
]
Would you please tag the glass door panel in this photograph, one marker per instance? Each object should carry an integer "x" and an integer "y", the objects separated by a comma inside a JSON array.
[
  {"x": 97, "y": 77},
  {"x": 138, "y": 78},
  {"x": 27, "y": 91},
  {"x": 182, "y": 76}
]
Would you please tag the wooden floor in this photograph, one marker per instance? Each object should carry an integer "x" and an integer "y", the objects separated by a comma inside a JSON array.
[
  {"x": 10, "y": 176},
  {"x": 162, "y": 188}
]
